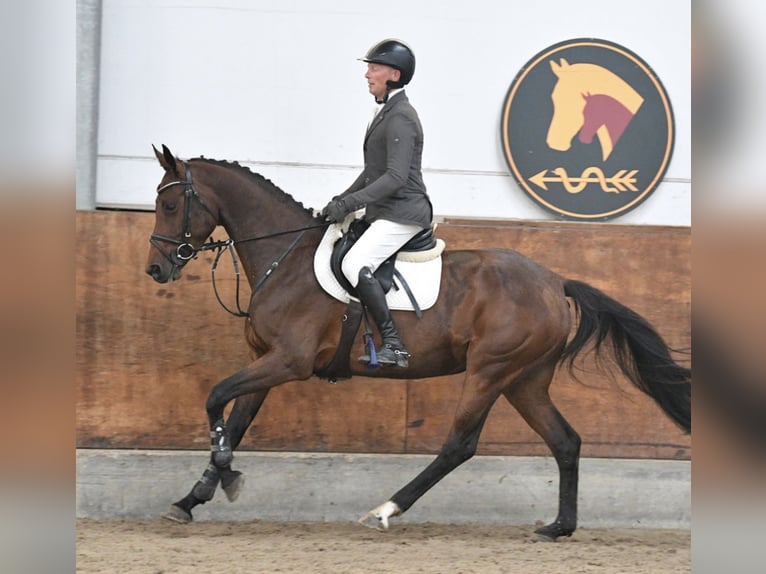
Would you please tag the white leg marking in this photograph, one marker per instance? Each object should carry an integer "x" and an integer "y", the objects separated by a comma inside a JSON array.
[{"x": 378, "y": 517}]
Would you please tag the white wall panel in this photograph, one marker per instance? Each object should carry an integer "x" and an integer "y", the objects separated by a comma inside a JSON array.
[{"x": 275, "y": 85}]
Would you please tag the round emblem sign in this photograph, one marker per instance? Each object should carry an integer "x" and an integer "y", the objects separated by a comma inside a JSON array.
[{"x": 587, "y": 129}]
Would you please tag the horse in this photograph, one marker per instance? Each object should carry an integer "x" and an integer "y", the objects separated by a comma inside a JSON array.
[
  {"x": 576, "y": 86},
  {"x": 508, "y": 330},
  {"x": 605, "y": 116}
]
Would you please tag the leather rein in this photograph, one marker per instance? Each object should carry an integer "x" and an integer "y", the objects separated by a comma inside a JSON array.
[{"x": 185, "y": 251}]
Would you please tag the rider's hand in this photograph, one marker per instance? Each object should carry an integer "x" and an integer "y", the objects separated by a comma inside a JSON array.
[{"x": 335, "y": 211}]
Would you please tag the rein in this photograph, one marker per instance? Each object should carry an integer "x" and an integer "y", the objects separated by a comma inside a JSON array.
[
  {"x": 227, "y": 245},
  {"x": 185, "y": 251}
]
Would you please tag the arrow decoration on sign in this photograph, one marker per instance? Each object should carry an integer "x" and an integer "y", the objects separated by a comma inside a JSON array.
[{"x": 623, "y": 180}]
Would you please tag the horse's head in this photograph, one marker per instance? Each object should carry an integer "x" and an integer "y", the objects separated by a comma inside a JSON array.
[
  {"x": 183, "y": 220},
  {"x": 568, "y": 104},
  {"x": 585, "y": 98}
]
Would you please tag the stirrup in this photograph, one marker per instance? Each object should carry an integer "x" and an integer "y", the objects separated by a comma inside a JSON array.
[
  {"x": 370, "y": 359},
  {"x": 390, "y": 355},
  {"x": 387, "y": 356}
]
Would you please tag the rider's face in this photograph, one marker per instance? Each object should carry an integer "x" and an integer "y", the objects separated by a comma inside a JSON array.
[{"x": 377, "y": 75}]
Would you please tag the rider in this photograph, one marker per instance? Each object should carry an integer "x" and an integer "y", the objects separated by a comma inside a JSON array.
[{"x": 390, "y": 187}]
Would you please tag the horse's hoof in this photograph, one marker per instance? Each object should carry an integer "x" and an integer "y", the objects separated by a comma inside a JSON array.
[
  {"x": 552, "y": 532},
  {"x": 177, "y": 514},
  {"x": 371, "y": 520},
  {"x": 232, "y": 483},
  {"x": 377, "y": 518}
]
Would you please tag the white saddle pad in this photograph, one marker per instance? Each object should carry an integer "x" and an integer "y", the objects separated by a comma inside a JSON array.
[{"x": 421, "y": 270}]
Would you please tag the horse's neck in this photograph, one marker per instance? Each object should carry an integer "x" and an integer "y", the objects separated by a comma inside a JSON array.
[
  {"x": 256, "y": 221},
  {"x": 616, "y": 119}
]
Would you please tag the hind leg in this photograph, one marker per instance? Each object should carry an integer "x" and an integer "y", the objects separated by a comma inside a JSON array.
[
  {"x": 479, "y": 394},
  {"x": 243, "y": 412},
  {"x": 531, "y": 399}
]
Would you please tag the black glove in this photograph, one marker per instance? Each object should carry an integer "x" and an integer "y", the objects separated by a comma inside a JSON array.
[{"x": 336, "y": 211}]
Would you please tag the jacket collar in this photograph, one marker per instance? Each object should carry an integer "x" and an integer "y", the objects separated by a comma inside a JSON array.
[
  {"x": 393, "y": 100},
  {"x": 390, "y": 94}
]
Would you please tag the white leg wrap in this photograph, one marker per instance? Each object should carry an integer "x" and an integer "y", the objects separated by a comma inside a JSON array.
[{"x": 378, "y": 517}]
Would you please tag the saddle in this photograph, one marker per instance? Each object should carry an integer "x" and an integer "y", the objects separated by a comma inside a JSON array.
[
  {"x": 385, "y": 273},
  {"x": 339, "y": 367}
]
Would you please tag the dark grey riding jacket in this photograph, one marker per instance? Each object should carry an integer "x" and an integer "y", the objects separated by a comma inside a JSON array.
[{"x": 391, "y": 184}]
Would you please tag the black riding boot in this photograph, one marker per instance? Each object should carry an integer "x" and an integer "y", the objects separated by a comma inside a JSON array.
[{"x": 392, "y": 351}]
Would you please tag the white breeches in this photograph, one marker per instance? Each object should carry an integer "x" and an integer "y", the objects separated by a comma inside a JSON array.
[{"x": 381, "y": 239}]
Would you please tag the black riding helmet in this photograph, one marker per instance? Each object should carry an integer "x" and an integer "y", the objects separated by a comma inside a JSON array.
[{"x": 396, "y": 54}]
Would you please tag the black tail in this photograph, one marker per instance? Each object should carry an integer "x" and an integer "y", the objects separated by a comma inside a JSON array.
[{"x": 637, "y": 348}]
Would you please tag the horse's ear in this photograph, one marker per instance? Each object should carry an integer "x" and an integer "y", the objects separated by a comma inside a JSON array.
[
  {"x": 557, "y": 68},
  {"x": 159, "y": 157},
  {"x": 166, "y": 159}
]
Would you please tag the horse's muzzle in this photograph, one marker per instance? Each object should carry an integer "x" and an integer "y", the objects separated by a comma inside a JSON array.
[{"x": 162, "y": 276}]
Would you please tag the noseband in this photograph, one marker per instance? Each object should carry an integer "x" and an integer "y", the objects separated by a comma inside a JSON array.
[{"x": 184, "y": 250}]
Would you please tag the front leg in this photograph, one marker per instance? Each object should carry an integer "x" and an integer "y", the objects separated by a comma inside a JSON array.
[
  {"x": 221, "y": 452},
  {"x": 203, "y": 491},
  {"x": 263, "y": 374},
  {"x": 242, "y": 414}
]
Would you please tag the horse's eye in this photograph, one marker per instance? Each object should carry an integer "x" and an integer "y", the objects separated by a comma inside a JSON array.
[{"x": 169, "y": 207}]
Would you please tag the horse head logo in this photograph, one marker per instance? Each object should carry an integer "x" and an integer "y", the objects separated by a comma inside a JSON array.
[{"x": 590, "y": 100}]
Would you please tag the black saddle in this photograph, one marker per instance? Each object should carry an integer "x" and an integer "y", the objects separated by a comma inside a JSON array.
[{"x": 423, "y": 241}]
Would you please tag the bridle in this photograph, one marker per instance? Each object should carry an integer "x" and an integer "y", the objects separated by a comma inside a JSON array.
[{"x": 185, "y": 251}]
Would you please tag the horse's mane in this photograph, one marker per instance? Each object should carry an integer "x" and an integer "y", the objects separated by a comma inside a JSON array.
[{"x": 261, "y": 181}]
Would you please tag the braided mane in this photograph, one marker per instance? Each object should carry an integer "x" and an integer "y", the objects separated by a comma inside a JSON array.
[{"x": 261, "y": 181}]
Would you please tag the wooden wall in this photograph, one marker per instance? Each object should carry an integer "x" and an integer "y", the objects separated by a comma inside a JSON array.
[{"x": 148, "y": 354}]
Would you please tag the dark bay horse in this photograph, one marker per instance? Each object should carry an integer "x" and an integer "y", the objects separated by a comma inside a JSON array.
[{"x": 507, "y": 330}]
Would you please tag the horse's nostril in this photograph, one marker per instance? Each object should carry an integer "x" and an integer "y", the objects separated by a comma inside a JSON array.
[{"x": 154, "y": 271}]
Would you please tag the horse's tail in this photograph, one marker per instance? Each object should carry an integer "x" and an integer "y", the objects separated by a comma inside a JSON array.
[{"x": 639, "y": 351}]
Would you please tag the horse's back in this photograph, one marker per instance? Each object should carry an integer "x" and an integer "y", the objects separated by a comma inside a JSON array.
[
  {"x": 507, "y": 291},
  {"x": 505, "y": 268}
]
